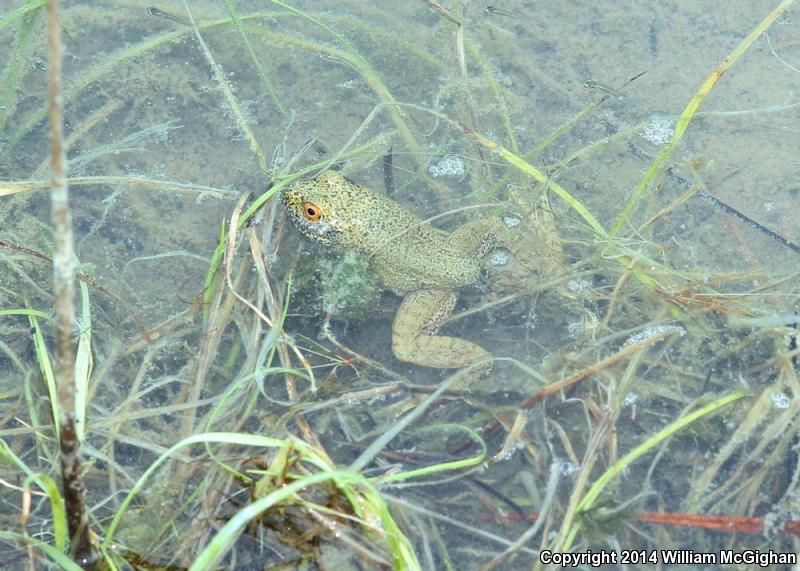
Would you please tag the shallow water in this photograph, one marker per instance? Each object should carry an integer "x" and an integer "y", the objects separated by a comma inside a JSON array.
[{"x": 162, "y": 149}]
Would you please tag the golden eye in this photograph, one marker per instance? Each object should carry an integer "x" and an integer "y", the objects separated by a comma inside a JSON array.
[{"x": 311, "y": 211}]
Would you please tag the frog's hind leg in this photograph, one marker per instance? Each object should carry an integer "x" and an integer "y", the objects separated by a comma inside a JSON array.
[
  {"x": 476, "y": 238},
  {"x": 414, "y": 338}
]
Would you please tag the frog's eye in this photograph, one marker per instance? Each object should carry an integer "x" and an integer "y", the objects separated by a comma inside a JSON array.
[{"x": 311, "y": 211}]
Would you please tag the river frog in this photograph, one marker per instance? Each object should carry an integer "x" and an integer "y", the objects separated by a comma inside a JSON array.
[{"x": 410, "y": 257}]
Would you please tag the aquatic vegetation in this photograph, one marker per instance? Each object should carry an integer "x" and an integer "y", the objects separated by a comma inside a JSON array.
[
  {"x": 340, "y": 286},
  {"x": 238, "y": 390}
]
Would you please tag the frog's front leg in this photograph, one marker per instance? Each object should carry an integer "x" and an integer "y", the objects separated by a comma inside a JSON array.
[{"x": 415, "y": 327}]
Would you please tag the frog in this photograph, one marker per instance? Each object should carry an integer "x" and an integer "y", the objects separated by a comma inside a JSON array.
[{"x": 425, "y": 266}]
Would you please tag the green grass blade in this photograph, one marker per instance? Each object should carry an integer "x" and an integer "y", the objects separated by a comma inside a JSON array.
[
  {"x": 371, "y": 77},
  {"x": 47, "y": 485},
  {"x": 540, "y": 177},
  {"x": 216, "y": 437},
  {"x": 46, "y": 367},
  {"x": 28, "y": 312},
  {"x": 443, "y": 466},
  {"x": 113, "y": 61},
  {"x": 227, "y": 92},
  {"x": 13, "y": 187},
  {"x": 229, "y": 533},
  {"x": 647, "y": 446},
  {"x": 266, "y": 84},
  {"x": 339, "y": 38},
  {"x": 368, "y": 502},
  {"x": 18, "y": 13},
  {"x": 651, "y": 443},
  {"x": 57, "y": 508},
  {"x": 211, "y": 283},
  {"x": 14, "y": 66},
  {"x": 346, "y": 480},
  {"x": 58, "y": 557},
  {"x": 94, "y": 73},
  {"x": 380, "y": 443},
  {"x": 688, "y": 114}
]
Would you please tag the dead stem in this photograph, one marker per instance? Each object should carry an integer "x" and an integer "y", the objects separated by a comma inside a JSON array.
[
  {"x": 98, "y": 117},
  {"x": 603, "y": 434},
  {"x": 274, "y": 307},
  {"x": 219, "y": 316},
  {"x": 326, "y": 331},
  {"x": 626, "y": 351},
  {"x": 64, "y": 300},
  {"x": 540, "y": 287}
]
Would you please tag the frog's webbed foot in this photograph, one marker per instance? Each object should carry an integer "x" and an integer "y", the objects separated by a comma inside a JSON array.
[{"x": 414, "y": 332}]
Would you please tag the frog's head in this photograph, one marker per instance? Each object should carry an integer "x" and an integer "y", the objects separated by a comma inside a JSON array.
[{"x": 321, "y": 208}]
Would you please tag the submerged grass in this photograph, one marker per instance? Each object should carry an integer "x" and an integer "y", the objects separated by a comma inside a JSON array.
[
  {"x": 589, "y": 500},
  {"x": 175, "y": 408},
  {"x": 30, "y": 14},
  {"x": 688, "y": 114},
  {"x": 29, "y": 7},
  {"x": 266, "y": 84}
]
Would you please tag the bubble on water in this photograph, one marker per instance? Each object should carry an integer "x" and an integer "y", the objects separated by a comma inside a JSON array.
[
  {"x": 567, "y": 468},
  {"x": 499, "y": 258},
  {"x": 78, "y": 324},
  {"x": 511, "y": 452},
  {"x": 576, "y": 329},
  {"x": 654, "y": 331},
  {"x": 78, "y": 327},
  {"x": 449, "y": 166},
  {"x": 658, "y": 131},
  {"x": 780, "y": 400},
  {"x": 576, "y": 286}
]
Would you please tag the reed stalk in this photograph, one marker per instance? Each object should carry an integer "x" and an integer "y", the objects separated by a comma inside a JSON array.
[{"x": 64, "y": 301}]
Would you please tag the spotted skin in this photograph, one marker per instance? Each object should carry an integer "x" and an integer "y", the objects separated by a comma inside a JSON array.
[{"x": 409, "y": 256}]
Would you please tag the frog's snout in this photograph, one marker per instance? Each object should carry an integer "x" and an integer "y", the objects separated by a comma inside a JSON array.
[{"x": 287, "y": 197}]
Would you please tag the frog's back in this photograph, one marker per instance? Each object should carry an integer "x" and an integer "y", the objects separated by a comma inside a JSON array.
[
  {"x": 416, "y": 261},
  {"x": 406, "y": 252}
]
